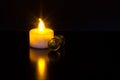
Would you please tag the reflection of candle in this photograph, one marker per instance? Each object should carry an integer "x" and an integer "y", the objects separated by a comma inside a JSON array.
[
  {"x": 39, "y": 59},
  {"x": 40, "y": 36},
  {"x": 36, "y": 54}
]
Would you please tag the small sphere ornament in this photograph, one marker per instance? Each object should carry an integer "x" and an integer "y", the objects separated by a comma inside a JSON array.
[{"x": 56, "y": 43}]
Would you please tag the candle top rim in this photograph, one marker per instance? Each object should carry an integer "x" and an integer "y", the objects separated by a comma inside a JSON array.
[{"x": 46, "y": 30}]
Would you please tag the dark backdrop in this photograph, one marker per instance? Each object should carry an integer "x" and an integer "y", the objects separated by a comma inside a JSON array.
[
  {"x": 61, "y": 14},
  {"x": 80, "y": 15}
]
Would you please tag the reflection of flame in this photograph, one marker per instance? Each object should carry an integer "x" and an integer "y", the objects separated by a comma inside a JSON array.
[
  {"x": 41, "y": 25},
  {"x": 41, "y": 68}
]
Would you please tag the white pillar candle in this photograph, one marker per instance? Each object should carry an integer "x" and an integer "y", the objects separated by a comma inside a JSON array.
[{"x": 39, "y": 37}]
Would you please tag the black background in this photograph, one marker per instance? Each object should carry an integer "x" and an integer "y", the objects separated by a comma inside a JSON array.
[
  {"x": 79, "y": 15},
  {"x": 84, "y": 24}
]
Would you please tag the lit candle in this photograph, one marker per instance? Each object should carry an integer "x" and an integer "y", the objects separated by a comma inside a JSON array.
[{"x": 40, "y": 36}]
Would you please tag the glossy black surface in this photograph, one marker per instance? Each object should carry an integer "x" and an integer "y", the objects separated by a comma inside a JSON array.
[{"x": 86, "y": 55}]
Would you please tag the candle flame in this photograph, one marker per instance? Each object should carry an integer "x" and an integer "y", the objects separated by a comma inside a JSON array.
[{"x": 41, "y": 25}]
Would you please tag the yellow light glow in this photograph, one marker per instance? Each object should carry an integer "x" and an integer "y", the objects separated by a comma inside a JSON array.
[
  {"x": 41, "y": 25},
  {"x": 41, "y": 67}
]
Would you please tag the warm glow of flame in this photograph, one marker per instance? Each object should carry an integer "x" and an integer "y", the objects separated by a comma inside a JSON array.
[
  {"x": 41, "y": 67},
  {"x": 41, "y": 25}
]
